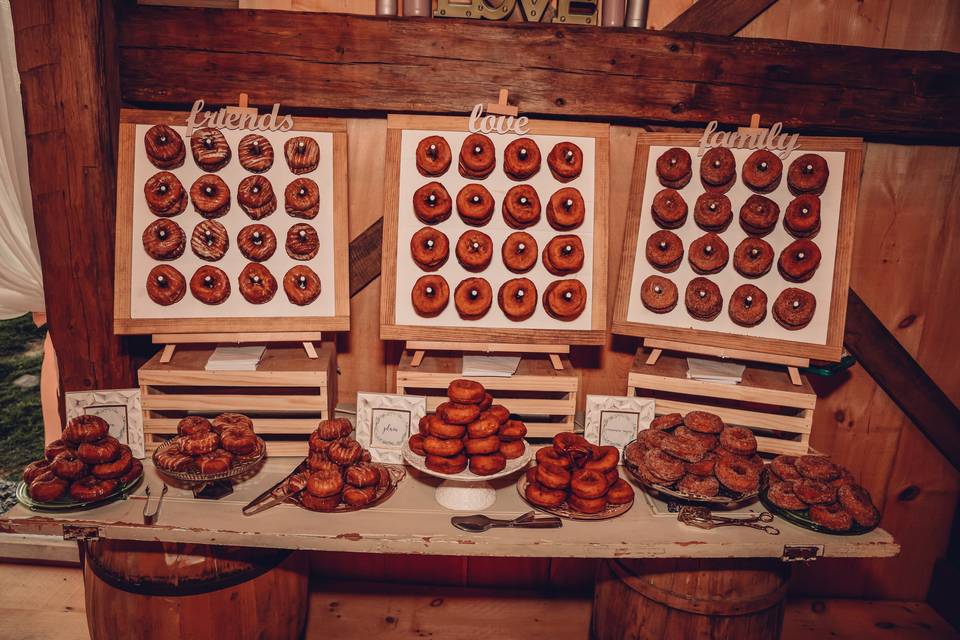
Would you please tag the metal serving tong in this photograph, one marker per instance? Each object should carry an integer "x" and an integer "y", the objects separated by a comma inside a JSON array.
[
  {"x": 480, "y": 523},
  {"x": 151, "y": 518},
  {"x": 703, "y": 518},
  {"x": 278, "y": 493}
]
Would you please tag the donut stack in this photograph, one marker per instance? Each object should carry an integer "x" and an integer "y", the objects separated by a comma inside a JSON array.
[
  {"x": 826, "y": 491},
  {"x": 697, "y": 455},
  {"x": 469, "y": 430},
  {"x": 578, "y": 473},
  {"x": 85, "y": 464},
  {"x": 339, "y": 470},
  {"x": 209, "y": 446}
]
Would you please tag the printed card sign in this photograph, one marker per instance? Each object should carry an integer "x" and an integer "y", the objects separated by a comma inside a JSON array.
[
  {"x": 616, "y": 420},
  {"x": 385, "y": 422}
]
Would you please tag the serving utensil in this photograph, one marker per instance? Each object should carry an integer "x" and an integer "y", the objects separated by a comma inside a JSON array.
[
  {"x": 151, "y": 518},
  {"x": 278, "y": 493},
  {"x": 480, "y": 523},
  {"x": 703, "y": 518}
]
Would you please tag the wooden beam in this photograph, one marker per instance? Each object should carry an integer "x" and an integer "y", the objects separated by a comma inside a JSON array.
[
  {"x": 365, "y": 257},
  {"x": 67, "y": 62},
  {"x": 719, "y": 17},
  {"x": 902, "y": 378},
  {"x": 334, "y": 62}
]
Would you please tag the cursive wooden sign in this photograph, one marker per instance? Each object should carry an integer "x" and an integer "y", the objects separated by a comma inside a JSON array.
[
  {"x": 567, "y": 11},
  {"x": 480, "y": 123},
  {"x": 237, "y": 118},
  {"x": 783, "y": 144}
]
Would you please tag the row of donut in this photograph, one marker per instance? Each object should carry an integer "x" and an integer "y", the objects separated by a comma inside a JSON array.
[
  {"x": 473, "y": 297},
  {"x": 164, "y": 239},
  {"x": 762, "y": 172},
  {"x": 211, "y": 285},
  {"x": 562, "y": 256},
  {"x": 211, "y": 151},
  {"x": 752, "y": 258},
  {"x": 793, "y": 309},
  {"x": 758, "y": 215},
  {"x": 478, "y": 158},
  {"x": 210, "y": 195},
  {"x": 521, "y": 206}
]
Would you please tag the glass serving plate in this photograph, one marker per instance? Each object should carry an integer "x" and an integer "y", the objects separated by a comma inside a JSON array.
[
  {"x": 802, "y": 518},
  {"x": 243, "y": 465},
  {"x": 563, "y": 511},
  {"x": 67, "y": 503},
  {"x": 384, "y": 492}
]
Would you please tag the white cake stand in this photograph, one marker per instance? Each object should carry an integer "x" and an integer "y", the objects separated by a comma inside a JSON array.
[{"x": 466, "y": 491}]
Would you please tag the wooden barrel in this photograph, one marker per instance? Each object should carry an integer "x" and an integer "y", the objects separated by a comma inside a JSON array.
[
  {"x": 689, "y": 598},
  {"x": 166, "y": 590}
]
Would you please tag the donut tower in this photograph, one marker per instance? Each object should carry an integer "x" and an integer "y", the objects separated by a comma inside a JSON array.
[
  {"x": 469, "y": 430},
  {"x": 209, "y": 446}
]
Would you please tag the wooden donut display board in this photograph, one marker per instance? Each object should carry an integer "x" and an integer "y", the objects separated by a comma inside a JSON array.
[
  {"x": 469, "y": 256},
  {"x": 210, "y": 249},
  {"x": 680, "y": 250}
]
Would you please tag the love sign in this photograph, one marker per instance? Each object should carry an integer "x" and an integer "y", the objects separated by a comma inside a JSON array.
[{"x": 490, "y": 123}]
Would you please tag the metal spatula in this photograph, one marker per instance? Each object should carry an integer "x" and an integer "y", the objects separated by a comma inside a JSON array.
[{"x": 480, "y": 523}]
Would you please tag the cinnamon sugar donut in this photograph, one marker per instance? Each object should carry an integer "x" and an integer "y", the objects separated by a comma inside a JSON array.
[
  {"x": 703, "y": 299},
  {"x": 802, "y": 219},
  {"x": 815, "y": 492},
  {"x": 432, "y": 203},
  {"x": 433, "y": 156},
  {"x": 664, "y": 251},
  {"x": 704, "y": 422},
  {"x": 831, "y": 516},
  {"x": 475, "y": 204},
  {"x": 164, "y": 239},
  {"x": 674, "y": 168},
  {"x": 658, "y": 294},
  {"x": 737, "y": 475},
  {"x": 748, "y": 305},
  {"x": 165, "y": 195},
  {"x": 519, "y": 252},
  {"x": 686, "y": 449},
  {"x": 210, "y": 285},
  {"x": 86, "y": 428},
  {"x": 708, "y": 254},
  {"x": 565, "y": 161},
  {"x": 478, "y": 158},
  {"x": 255, "y": 153},
  {"x": 164, "y": 147},
  {"x": 474, "y": 250},
  {"x": 817, "y": 468},
  {"x": 794, "y": 308},
  {"x": 257, "y": 242},
  {"x": 738, "y": 440},
  {"x": 565, "y": 299},
  {"x": 762, "y": 171},
  {"x": 753, "y": 257},
  {"x": 302, "y": 154},
  {"x": 856, "y": 500},
  {"x": 210, "y": 196},
  {"x": 303, "y": 242},
  {"x": 563, "y": 255},
  {"x": 718, "y": 170},
  {"x": 430, "y": 295},
  {"x": 712, "y": 212},
  {"x": 799, "y": 260},
  {"x": 257, "y": 284},
  {"x": 707, "y": 441},
  {"x": 694, "y": 485},
  {"x": 758, "y": 215},
  {"x": 808, "y": 174},
  {"x": 210, "y": 149},
  {"x": 666, "y": 422},
  {"x": 566, "y": 209},
  {"x": 705, "y": 467},
  {"x": 429, "y": 248},
  {"x": 518, "y": 298},
  {"x": 209, "y": 240},
  {"x": 256, "y": 197},
  {"x": 301, "y": 284},
  {"x": 472, "y": 298},
  {"x": 521, "y": 159},
  {"x": 785, "y": 467},
  {"x": 521, "y": 207},
  {"x": 669, "y": 209},
  {"x": 784, "y": 496},
  {"x": 301, "y": 198},
  {"x": 663, "y": 466}
]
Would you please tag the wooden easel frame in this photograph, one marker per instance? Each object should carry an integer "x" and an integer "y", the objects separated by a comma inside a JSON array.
[
  {"x": 171, "y": 341},
  {"x": 420, "y": 347}
]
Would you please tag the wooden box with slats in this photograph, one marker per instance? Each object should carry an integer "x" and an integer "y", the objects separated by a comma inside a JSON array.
[
  {"x": 286, "y": 396},
  {"x": 777, "y": 411}
]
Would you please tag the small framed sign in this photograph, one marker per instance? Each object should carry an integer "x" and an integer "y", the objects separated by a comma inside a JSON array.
[
  {"x": 616, "y": 420},
  {"x": 119, "y": 407},
  {"x": 385, "y": 421}
]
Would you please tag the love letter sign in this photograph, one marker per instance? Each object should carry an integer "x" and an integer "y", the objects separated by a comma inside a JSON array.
[{"x": 490, "y": 123}]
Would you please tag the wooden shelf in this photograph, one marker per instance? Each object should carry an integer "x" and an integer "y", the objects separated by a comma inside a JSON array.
[{"x": 411, "y": 522}]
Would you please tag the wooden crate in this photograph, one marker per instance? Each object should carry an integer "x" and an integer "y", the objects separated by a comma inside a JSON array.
[
  {"x": 779, "y": 412},
  {"x": 286, "y": 396},
  {"x": 544, "y": 397}
]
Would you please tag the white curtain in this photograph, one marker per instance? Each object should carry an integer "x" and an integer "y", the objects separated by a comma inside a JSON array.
[{"x": 21, "y": 283}]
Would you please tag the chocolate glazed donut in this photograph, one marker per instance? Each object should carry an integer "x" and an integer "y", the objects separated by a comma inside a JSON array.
[
  {"x": 430, "y": 296},
  {"x": 210, "y": 285},
  {"x": 257, "y": 284},
  {"x": 255, "y": 153},
  {"x": 303, "y": 243},
  {"x": 519, "y": 252},
  {"x": 301, "y": 284},
  {"x": 164, "y": 147},
  {"x": 257, "y": 242},
  {"x": 302, "y": 153},
  {"x": 165, "y": 285},
  {"x": 163, "y": 239},
  {"x": 210, "y": 149},
  {"x": 255, "y": 196},
  {"x": 210, "y": 196},
  {"x": 518, "y": 298},
  {"x": 209, "y": 240},
  {"x": 301, "y": 198},
  {"x": 165, "y": 195}
]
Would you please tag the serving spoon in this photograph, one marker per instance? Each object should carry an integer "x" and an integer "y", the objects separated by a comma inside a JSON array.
[{"x": 480, "y": 523}]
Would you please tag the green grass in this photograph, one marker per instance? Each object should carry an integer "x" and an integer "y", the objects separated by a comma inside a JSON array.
[{"x": 21, "y": 421}]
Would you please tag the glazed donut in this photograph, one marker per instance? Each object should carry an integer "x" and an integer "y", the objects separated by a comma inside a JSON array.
[
  {"x": 566, "y": 209},
  {"x": 738, "y": 440},
  {"x": 197, "y": 444},
  {"x": 758, "y": 215},
  {"x": 36, "y": 468},
  {"x": 669, "y": 209},
  {"x": 708, "y": 254},
  {"x": 666, "y": 422},
  {"x": 544, "y": 497},
  {"x": 794, "y": 308},
  {"x": 344, "y": 451},
  {"x": 784, "y": 468},
  {"x": 565, "y": 299},
  {"x": 116, "y": 469},
  {"x": 91, "y": 488},
  {"x": 239, "y": 441},
  {"x": 549, "y": 455},
  {"x": 55, "y": 448},
  {"x": 784, "y": 496},
  {"x": 323, "y": 484},
  {"x": 313, "y": 503},
  {"x": 210, "y": 285},
  {"x": 603, "y": 459},
  {"x": 483, "y": 427},
  {"x": 317, "y": 461},
  {"x": 454, "y": 413},
  {"x": 519, "y": 252},
  {"x": 357, "y": 497},
  {"x": 449, "y": 466},
  {"x": 165, "y": 194},
  {"x": 703, "y": 422},
  {"x": 303, "y": 243},
  {"x": 521, "y": 159},
  {"x": 210, "y": 196},
  {"x": 736, "y": 475},
  {"x": 257, "y": 284},
  {"x": 478, "y": 158},
  {"x": 718, "y": 170},
  {"x": 831, "y": 516},
  {"x": 685, "y": 449},
  {"x": 802, "y": 219},
  {"x": 814, "y": 491},
  {"x": 302, "y": 154},
  {"x": 586, "y": 505},
  {"x": 227, "y": 420},
  {"x": 620, "y": 492},
  {"x": 817, "y": 468},
  {"x": 498, "y": 411},
  {"x": 486, "y": 403},
  {"x": 316, "y": 444},
  {"x": 565, "y": 161},
  {"x": 465, "y": 391},
  {"x": 663, "y": 465},
  {"x": 808, "y": 174},
  {"x": 433, "y": 156},
  {"x": 217, "y": 461},
  {"x": 429, "y": 248},
  {"x": 512, "y": 430},
  {"x": 301, "y": 198},
  {"x": 255, "y": 153},
  {"x": 472, "y": 298},
  {"x": 674, "y": 168},
  {"x": 612, "y": 476},
  {"x": 487, "y": 465},
  {"x": 563, "y": 255},
  {"x": 799, "y": 260},
  {"x": 362, "y": 474},
  {"x": 694, "y": 485},
  {"x": 209, "y": 240},
  {"x": 475, "y": 205},
  {"x": 430, "y": 295},
  {"x": 68, "y": 466},
  {"x": 588, "y": 483},
  {"x": 567, "y": 443},
  {"x": 517, "y": 298},
  {"x": 210, "y": 149},
  {"x": 165, "y": 285},
  {"x": 131, "y": 476},
  {"x": 712, "y": 212},
  {"x": 748, "y": 305},
  {"x": 512, "y": 449},
  {"x": 705, "y": 467},
  {"x": 553, "y": 476},
  {"x": 425, "y": 422},
  {"x": 753, "y": 257},
  {"x": 164, "y": 147},
  {"x": 47, "y": 487},
  {"x": 257, "y": 242},
  {"x": 416, "y": 444},
  {"x": 705, "y": 440},
  {"x": 334, "y": 428},
  {"x": 86, "y": 428},
  {"x": 164, "y": 239},
  {"x": 474, "y": 250},
  {"x": 440, "y": 429},
  {"x": 521, "y": 207},
  {"x": 301, "y": 284},
  {"x": 762, "y": 171},
  {"x": 98, "y": 452},
  {"x": 193, "y": 424},
  {"x": 856, "y": 500},
  {"x": 170, "y": 458},
  {"x": 482, "y": 446},
  {"x": 432, "y": 203},
  {"x": 256, "y": 197}
]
